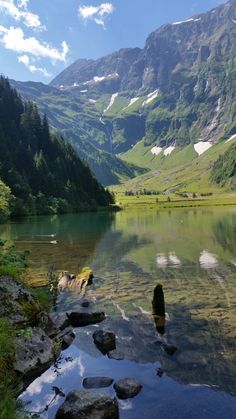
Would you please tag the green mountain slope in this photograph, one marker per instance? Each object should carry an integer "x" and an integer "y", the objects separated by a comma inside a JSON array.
[
  {"x": 43, "y": 171},
  {"x": 179, "y": 90},
  {"x": 183, "y": 170}
]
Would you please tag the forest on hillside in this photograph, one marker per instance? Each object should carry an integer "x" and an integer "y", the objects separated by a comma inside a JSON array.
[{"x": 40, "y": 173}]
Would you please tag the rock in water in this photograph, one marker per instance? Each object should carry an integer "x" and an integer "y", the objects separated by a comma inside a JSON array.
[
  {"x": 127, "y": 387},
  {"x": 65, "y": 338},
  {"x": 85, "y": 303},
  {"x": 105, "y": 341},
  {"x": 158, "y": 302},
  {"x": 169, "y": 349},
  {"x": 97, "y": 382},
  {"x": 88, "y": 405},
  {"x": 84, "y": 319},
  {"x": 34, "y": 352}
]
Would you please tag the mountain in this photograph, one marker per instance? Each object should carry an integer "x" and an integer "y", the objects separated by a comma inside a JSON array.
[
  {"x": 178, "y": 90},
  {"x": 43, "y": 172}
]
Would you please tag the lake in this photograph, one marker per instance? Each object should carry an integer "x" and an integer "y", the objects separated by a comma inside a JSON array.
[{"x": 192, "y": 253}]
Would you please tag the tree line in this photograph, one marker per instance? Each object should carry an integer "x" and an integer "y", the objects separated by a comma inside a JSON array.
[{"x": 40, "y": 173}]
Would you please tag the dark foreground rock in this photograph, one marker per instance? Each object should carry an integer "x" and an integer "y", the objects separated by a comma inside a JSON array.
[
  {"x": 61, "y": 320},
  {"x": 105, "y": 341},
  {"x": 17, "y": 304},
  {"x": 88, "y": 405},
  {"x": 34, "y": 353},
  {"x": 85, "y": 303},
  {"x": 84, "y": 319},
  {"x": 97, "y": 382},
  {"x": 127, "y": 387},
  {"x": 169, "y": 349}
]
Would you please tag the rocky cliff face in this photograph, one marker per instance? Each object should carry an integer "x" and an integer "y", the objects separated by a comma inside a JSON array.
[
  {"x": 179, "y": 89},
  {"x": 176, "y": 47}
]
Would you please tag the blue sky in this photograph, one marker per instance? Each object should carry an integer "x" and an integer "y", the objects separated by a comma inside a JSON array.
[{"x": 39, "y": 38}]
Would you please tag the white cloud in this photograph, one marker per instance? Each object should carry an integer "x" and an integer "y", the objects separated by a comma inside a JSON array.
[
  {"x": 41, "y": 70},
  {"x": 24, "y": 59},
  {"x": 96, "y": 13},
  {"x": 22, "y": 3},
  {"x": 13, "y": 39},
  {"x": 29, "y": 19}
]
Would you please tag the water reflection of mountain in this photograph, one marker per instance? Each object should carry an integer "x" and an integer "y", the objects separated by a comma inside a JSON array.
[
  {"x": 204, "y": 354},
  {"x": 225, "y": 232}
]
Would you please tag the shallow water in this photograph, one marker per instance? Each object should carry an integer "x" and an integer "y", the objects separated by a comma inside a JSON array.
[{"x": 192, "y": 253}]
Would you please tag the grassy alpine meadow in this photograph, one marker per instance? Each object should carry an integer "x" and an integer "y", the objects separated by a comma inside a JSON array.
[
  {"x": 182, "y": 179},
  {"x": 173, "y": 200}
]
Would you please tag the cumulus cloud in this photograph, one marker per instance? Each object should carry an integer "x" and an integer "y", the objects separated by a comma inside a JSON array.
[
  {"x": 19, "y": 12},
  {"x": 24, "y": 59},
  {"x": 14, "y": 39},
  {"x": 96, "y": 13}
]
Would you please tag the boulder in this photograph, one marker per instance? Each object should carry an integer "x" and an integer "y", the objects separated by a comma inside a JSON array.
[
  {"x": 116, "y": 354},
  {"x": 65, "y": 338},
  {"x": 61, "y": 320},
  {"x": 127, "y": 387},
  {"x": 17, "y": 303},
  {"x": 83, "y": 319},
  {"x": 45, "y": 322},
  {"x": 64, "y": 281},
  {"x": 85, "y": 303},
  {"x": 34, "y": 352},
  {"x": 97, "y": 382},
  {"x": 169, "y": 349},
  {"x": 105, "y": 341},
  {"x": 88, "y": 405}
]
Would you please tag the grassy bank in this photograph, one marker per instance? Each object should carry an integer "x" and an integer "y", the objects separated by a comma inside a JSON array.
[{"x": 173, "y": 200}]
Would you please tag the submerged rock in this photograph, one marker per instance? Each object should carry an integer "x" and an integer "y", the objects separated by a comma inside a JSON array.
[
  {"x": 105, "y": 341},
  {"x": 88, "y": 405},
  {"x": 85, "y": 303},
  {"x": 169, "y": 349},
  {"x": 116, "y": 354},
  {"x": 65, "y": 338},
  {"x": 127, "y": 388},
  {"x": 97, "y": 382},
  {"x": 34, "y": 352},
  {"x": 83, "y": 319}
]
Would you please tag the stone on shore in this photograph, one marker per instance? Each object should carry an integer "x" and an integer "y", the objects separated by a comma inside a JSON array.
[
  {"x": 127, "y": 388},
  {"x": 88, "y": 405},
  {"x": 97, "y": 382},
  {"x": 34, "y": 352}
]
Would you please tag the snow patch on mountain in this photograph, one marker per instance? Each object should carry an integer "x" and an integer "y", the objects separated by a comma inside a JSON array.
[
  {"x": 132, "y": 101},
  {"x": 151, "y": 96},
  {"x": 202, "y": 146},
  {"x": 168, "y": 150},
  {"x": 232, "y": 137},
  {"x": 113, "y": 98},
  {"x": 156, "y": 150},
  {"x": 186, "y": 21}
]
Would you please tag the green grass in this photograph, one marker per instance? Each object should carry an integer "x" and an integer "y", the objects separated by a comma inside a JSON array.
[
  {"x": 182, "y": 171},
  {"x": 119, "y": 104},
  {"x": 7, "y": 376}
]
